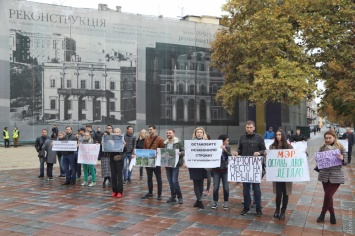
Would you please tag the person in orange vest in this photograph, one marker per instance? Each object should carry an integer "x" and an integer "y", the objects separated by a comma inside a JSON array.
[
  {"x": 15, "y": 136},
  {"x": 6, "y": 136}
]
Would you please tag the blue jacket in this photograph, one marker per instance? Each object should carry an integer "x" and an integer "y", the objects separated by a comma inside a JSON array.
[{"x": 269, "y": 135}]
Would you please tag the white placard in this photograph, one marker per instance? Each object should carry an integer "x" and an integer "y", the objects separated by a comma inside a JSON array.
[
  {"x": 203, "y": 153},
  {"x": 300, "y": 146},
  {"x": 286, "y": 165},
  {"x": 167, "y": 157},
  {"x": 345, "y": 144},
  {"x": 268, "y": 142},
  {"x": 88, "y": 153},
  {"x": 247, "y": 169},
  {"x": 65, "y": 145}
]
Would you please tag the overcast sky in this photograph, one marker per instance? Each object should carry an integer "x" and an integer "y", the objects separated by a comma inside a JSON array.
[{"x": 167, "y": 8}]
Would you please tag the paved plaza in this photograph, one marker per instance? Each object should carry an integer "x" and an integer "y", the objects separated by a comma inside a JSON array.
[{"x": 33, "y": 206}]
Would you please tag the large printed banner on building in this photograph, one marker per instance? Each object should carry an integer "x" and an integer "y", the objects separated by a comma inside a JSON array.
[
  {"x": 65, "y": 145},
  {"x": 328, "y": 159},
  {"x": 286, "y": 165},
  {"x": 88, "y": 153},
  {"x": 112, "y": 143},
  {"x": 203, "y": 153},
  {"x": 245, "y": 169},
  {"x": 345, "y": 144}
]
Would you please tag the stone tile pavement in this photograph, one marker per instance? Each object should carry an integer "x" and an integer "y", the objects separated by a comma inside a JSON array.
[{"x": 32, "y": 206}]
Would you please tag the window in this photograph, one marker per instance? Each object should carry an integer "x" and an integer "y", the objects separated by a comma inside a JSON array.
[
  {"x": 83, "y": 84},
  {"x": 52, "y": 81},
  {"x": 97, "y": 84},
  {"x": 70, "y": 102},
  {"x": 112, "y": 106},
  {"x": 113, "y": 116},
  {"x": 215, "y": 114},
  {"x": 68, "y": 83},
  {"x": 214, "y": 88},
  {"x": 203, "y": 90},
  {"x": 181, "y": 89},
  {"x": 168, "y": 113},
  {"x": 83, "y": 104},
  {"x": 112, "y": 85},
  {"x": 52, "y": 104},
  {"x": 192, "y": 89},
  {"x": 168, "y": 87}
]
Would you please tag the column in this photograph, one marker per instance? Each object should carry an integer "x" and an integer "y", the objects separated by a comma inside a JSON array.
[
  {"x": 75, "y": 103},
  {"x": 186, "y": 101},
  {"x": 61, "y": 107},
  {"x": 173, "y": 101},
  {"x": 89, "y": 108},
  {"x": 208, "y": 109},
  {"x": 197, "y": 109},
  {"x": 104, "y": 107}
]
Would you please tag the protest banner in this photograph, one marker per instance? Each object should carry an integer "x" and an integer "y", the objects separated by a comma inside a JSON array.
[
  {"x": 268, "y": 142},
  {"x": 112, "y": 143},
  {"x": 167, "y": 157},
  {"x": 203, "y": 153},
  {"x": 328, "y": 159},
  {"x": 145, "y": 157},
  {"x": 246, "y": 169},
  {"x": 64, "y": 145},
  {"x": 344, "y": 143},
  {"x": 88, "y": 153},
  {"x": 286, "y": 165},
  {"x": 300, "y": 146}
]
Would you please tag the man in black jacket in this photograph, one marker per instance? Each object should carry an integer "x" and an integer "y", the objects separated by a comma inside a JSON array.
[
  {"x": 251, "y": 144},
  {"x": 38, "y": 145},
  {"x": 69, "y": 159},
  {"x": 298, "y": 137},
  {"x": 350, "y": 137},
  {"x": 130, "y": 140}
]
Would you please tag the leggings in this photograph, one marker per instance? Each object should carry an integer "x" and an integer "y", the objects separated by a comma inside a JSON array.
[
  {"x": 281, "y": 194},
  {"x": 198, "y": 188},
  {"x": 329, "y": 191}
]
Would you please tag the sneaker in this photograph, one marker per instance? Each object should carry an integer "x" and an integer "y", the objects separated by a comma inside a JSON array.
[
  {"x": 148, "y": 195},
  {"x": 84, "y": 183},
  {"x": 92, "y": 184},
  {"x": 40, "y": 176},
  {"x": 259, "y": 213},
  {"x": 114, "y": 194},
  {"x": 171, "y": 199},
  {"x": 62, "y": 176},
  {"x": 129, "y": 181},
  {"x": 159, "y": 197},
  {"x": 50, "y": 178},
  {"x": 72, "y": 182},
  {"x": 245, "y": 211},
  {"x": 119, "y": 195},
  {"x": 181, "y": 201},
  {"x": 125, "y": 181},
  {"x": 207, "y": 193},
  {"x": 214, "y": 205},
  {"x": 225, "y": 206}
]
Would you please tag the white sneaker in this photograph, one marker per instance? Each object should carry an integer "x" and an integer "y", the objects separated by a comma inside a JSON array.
[
  {"x": 92, "y": 184},
  {"x": 84, "y": 183}
]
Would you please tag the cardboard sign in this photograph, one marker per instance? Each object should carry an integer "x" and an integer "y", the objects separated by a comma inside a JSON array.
[
  {"x": 145, "y": 158},
  {"x": 345, "y": 144},
  {"x": 203, "y": 153},
  {"x": 286, "y": 165},
  {"x": 64, "y": 145},
  {"x": 88, "y": 153},
  {"x": 300, "y": 146},
  {"x": 328, "y": 159},
  {"x": 246, "y": 169},
  {"x": 167, "y": 157},
  {"x": 112, "y": 143},
  {"x": 268, "y": 142}
]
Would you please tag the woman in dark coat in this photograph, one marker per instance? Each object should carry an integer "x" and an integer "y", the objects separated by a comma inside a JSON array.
[
  {"x": 51, "y": 156},
  {"x": 197, "y": 175},
  {"x": 105, "y": 166},
  {"x": 281, "y": 189}
]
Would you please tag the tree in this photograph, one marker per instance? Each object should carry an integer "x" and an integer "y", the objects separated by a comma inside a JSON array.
[{"x": 259, "y": 55}]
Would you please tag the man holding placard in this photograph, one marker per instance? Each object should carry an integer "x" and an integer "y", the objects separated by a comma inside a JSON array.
[
  {"x": 172, "y": 173},
  {"x": 251, "y": 144},
  {"x": 69, "y": 159}
]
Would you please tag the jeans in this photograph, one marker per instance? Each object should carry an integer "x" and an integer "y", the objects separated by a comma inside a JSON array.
[
  {"x": 217, "y": 176},
  {"x": 126, "y": 172},
  {"x": 41, "y": 166},
  {"x": 69, "y": 161},
  {"x": 329, "y": 191},
  {"x": 173, "y": 178},
  {"x": 257, "y": 195},
  {"x": 86, "y": 169},
  {"x": 157, "y": 172},
  {"x": 61, "y": 167}
]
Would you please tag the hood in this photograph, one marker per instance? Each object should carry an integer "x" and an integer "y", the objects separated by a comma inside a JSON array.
[{"x": 176, "y": 140}]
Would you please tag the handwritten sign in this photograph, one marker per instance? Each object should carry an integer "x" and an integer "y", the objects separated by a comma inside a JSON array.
[
  {"x": 286, "y": 165},
  {"x": 112, "y": 143},
  {"x": 167, "y": 157},
  {"x": 246, "y": 169},
  {"x": 203, "y": 153},
  {"x": 64, "y": 145},
  {"x": 145, "y": 158},
  {"x": 328, "y": 159},
  {"x": 344, "y": 143},
  {"x": 88, "y": 153}
]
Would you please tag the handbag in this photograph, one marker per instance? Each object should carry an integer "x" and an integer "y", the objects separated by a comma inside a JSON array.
[
  {"x": 42, "y": 154},
  {"x": 117, "y": 157},
  {"x": 316, "y": 168}
]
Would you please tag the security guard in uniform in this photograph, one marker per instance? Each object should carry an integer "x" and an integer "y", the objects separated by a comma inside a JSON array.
[
  {"x": 5, "y": 134},
  {"x": 15, "y": 136}
]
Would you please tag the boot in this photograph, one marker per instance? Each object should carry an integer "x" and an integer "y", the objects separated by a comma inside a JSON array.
[
  {"x": 277, "y": 213},
  {"x": 282, "y": 215},
  {"x": 321, "y": 218},
  {"x": 332, "y": 219}
]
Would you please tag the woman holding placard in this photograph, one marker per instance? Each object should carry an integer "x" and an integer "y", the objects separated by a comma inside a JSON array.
[
  {"x": 281, "y": 189},
  {"x": 88, "y": 167},
  {"x": 197, "y": 175},
  {"x": 331, "y": 177}
]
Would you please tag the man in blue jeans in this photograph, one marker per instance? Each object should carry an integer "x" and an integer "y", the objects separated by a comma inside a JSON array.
[
  {"x": 172, "y": 173},
  {"x": 130, "y": 140},
  {"x": 69, "y": 159},
  {"x": 251, "y": 144}
]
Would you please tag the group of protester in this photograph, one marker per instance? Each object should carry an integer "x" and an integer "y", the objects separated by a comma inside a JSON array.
[
  {"x": 6, "y": 136},
  {"x": 115, "y": 169}
]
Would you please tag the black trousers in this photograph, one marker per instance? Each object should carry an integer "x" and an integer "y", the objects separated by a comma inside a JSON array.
[
  {"x": 157, "y": 172},
  {"x": 7, "y": 142},
  {"x": 350, "y": 149},
  {"x": 116, "y": 175},
  {"x": 281, "y": 194},
  {"x": 50, "y": 169},
  {"x": 198, "y": 189}
]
